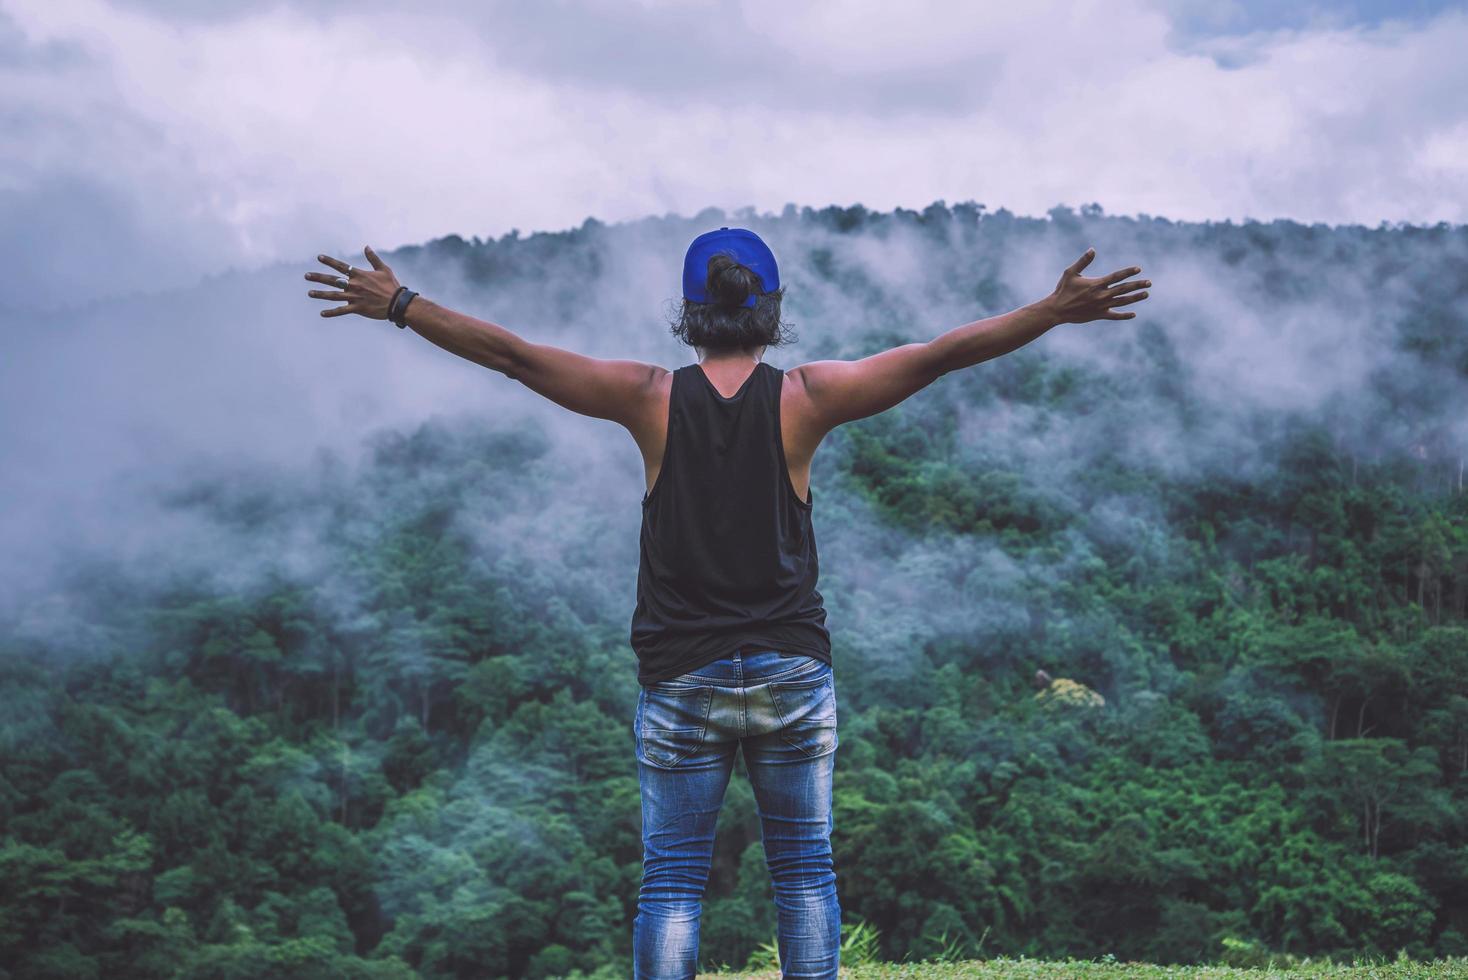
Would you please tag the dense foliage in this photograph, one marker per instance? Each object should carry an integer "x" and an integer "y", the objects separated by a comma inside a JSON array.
[{"x": 416, "y": 758}]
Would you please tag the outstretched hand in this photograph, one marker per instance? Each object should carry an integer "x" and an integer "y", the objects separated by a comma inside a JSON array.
[
  {"x": 1078, "y": 299},
  {"x": 366, "y": 291}
]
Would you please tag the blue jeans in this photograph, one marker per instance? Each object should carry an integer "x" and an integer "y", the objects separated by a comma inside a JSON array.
[{"x": 782, "y": 708}]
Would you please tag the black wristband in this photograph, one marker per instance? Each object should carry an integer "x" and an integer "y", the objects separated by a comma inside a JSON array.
[
  {"x": 394, "y": 302},
  {"x": 403, "y": 307},
  {"x": 399, "y": 306}
]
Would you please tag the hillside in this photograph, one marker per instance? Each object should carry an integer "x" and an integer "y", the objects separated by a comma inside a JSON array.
[{"x": 336, "y": 683}]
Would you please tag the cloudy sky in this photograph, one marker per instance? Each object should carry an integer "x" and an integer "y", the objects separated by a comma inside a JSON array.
[
  {"x": 147, "y": 144},
  {"x": 169, "y": 169}
]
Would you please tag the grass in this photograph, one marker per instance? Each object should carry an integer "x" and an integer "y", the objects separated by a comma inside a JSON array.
[
  {"x": 1002, "y": 967},
  {"x": 956, "y": 961}
]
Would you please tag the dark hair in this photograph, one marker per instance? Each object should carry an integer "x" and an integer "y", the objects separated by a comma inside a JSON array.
[{"x": 724, "y": 322}]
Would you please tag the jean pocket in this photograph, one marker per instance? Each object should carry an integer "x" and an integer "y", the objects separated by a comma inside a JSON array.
[
  {"x": 672, "y": 720},
  {"x": 800, "y": 666},
  {"x": 806, "y": 705}
]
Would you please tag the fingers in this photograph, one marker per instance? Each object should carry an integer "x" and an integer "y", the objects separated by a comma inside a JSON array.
[
  {"x": 339, "y": 282},
  {"x": 1120, "y": 274},
  {"x": 1124, "y": 300},
  {"x": 1117, "y": 316},
  {"x": 1127, "y": 287},
  {"x": 1082, "y": 262},
  {"x": 372, "y": 257}
]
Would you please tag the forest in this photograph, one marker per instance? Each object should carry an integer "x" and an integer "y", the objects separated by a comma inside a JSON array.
[{"x": 380, "y": 726}]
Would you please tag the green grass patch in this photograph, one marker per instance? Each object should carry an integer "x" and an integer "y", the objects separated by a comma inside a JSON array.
[{"x": 1106, "y": 968}]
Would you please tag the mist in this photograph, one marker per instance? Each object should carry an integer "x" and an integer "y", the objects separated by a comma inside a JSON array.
[{"x": 210, "y": 434}]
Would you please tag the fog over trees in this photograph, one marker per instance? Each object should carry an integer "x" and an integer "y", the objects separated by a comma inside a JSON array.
[{"x": 314, "y": 646}]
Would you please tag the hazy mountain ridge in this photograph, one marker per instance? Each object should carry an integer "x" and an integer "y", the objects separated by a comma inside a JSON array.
[{"x": 357, "y": 621}]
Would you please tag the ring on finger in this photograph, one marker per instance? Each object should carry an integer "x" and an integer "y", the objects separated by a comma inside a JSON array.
[{"x": 340, "y": 283}]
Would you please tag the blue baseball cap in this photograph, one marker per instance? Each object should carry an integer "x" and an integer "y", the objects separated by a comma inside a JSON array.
[{"x": 746, "y": 247}]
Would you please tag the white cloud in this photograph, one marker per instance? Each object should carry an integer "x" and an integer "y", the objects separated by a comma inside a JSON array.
[{"x": 281, "y": 132}]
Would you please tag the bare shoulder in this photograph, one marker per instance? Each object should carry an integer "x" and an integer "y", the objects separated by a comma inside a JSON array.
[
  {"x": 655, "y": 392},
  {"x": 657, "y": 378},
  {"x": 802, "y": 424},
  {"x": 834, "y": 392},
  {"x": 605, "y": 388},
  {"x": 649, "y": 422},
  {"x": 646, "y": 388},
  {"x": 797, "y": 383}
]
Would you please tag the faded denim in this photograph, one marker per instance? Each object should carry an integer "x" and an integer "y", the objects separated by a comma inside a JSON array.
[{"x": 782, "y": 708}]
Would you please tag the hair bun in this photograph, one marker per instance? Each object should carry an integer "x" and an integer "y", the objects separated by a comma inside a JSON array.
[{"x": 731, "y": 283}]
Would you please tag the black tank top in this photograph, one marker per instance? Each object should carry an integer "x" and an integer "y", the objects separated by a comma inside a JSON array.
[{"x": 728, "y": 554}]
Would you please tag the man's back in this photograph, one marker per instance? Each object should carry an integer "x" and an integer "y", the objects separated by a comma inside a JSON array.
[
  {"x": 728, "y": 556},
  {"x": 800, "y": 430}
]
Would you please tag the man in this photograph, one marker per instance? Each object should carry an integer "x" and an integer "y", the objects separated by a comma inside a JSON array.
[{"x": 729, "y": 627}]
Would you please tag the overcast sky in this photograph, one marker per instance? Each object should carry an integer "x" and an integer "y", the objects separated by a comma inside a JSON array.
[
  {"x": 206, "y": 152},
  {"x": 144, "y": 145}
]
